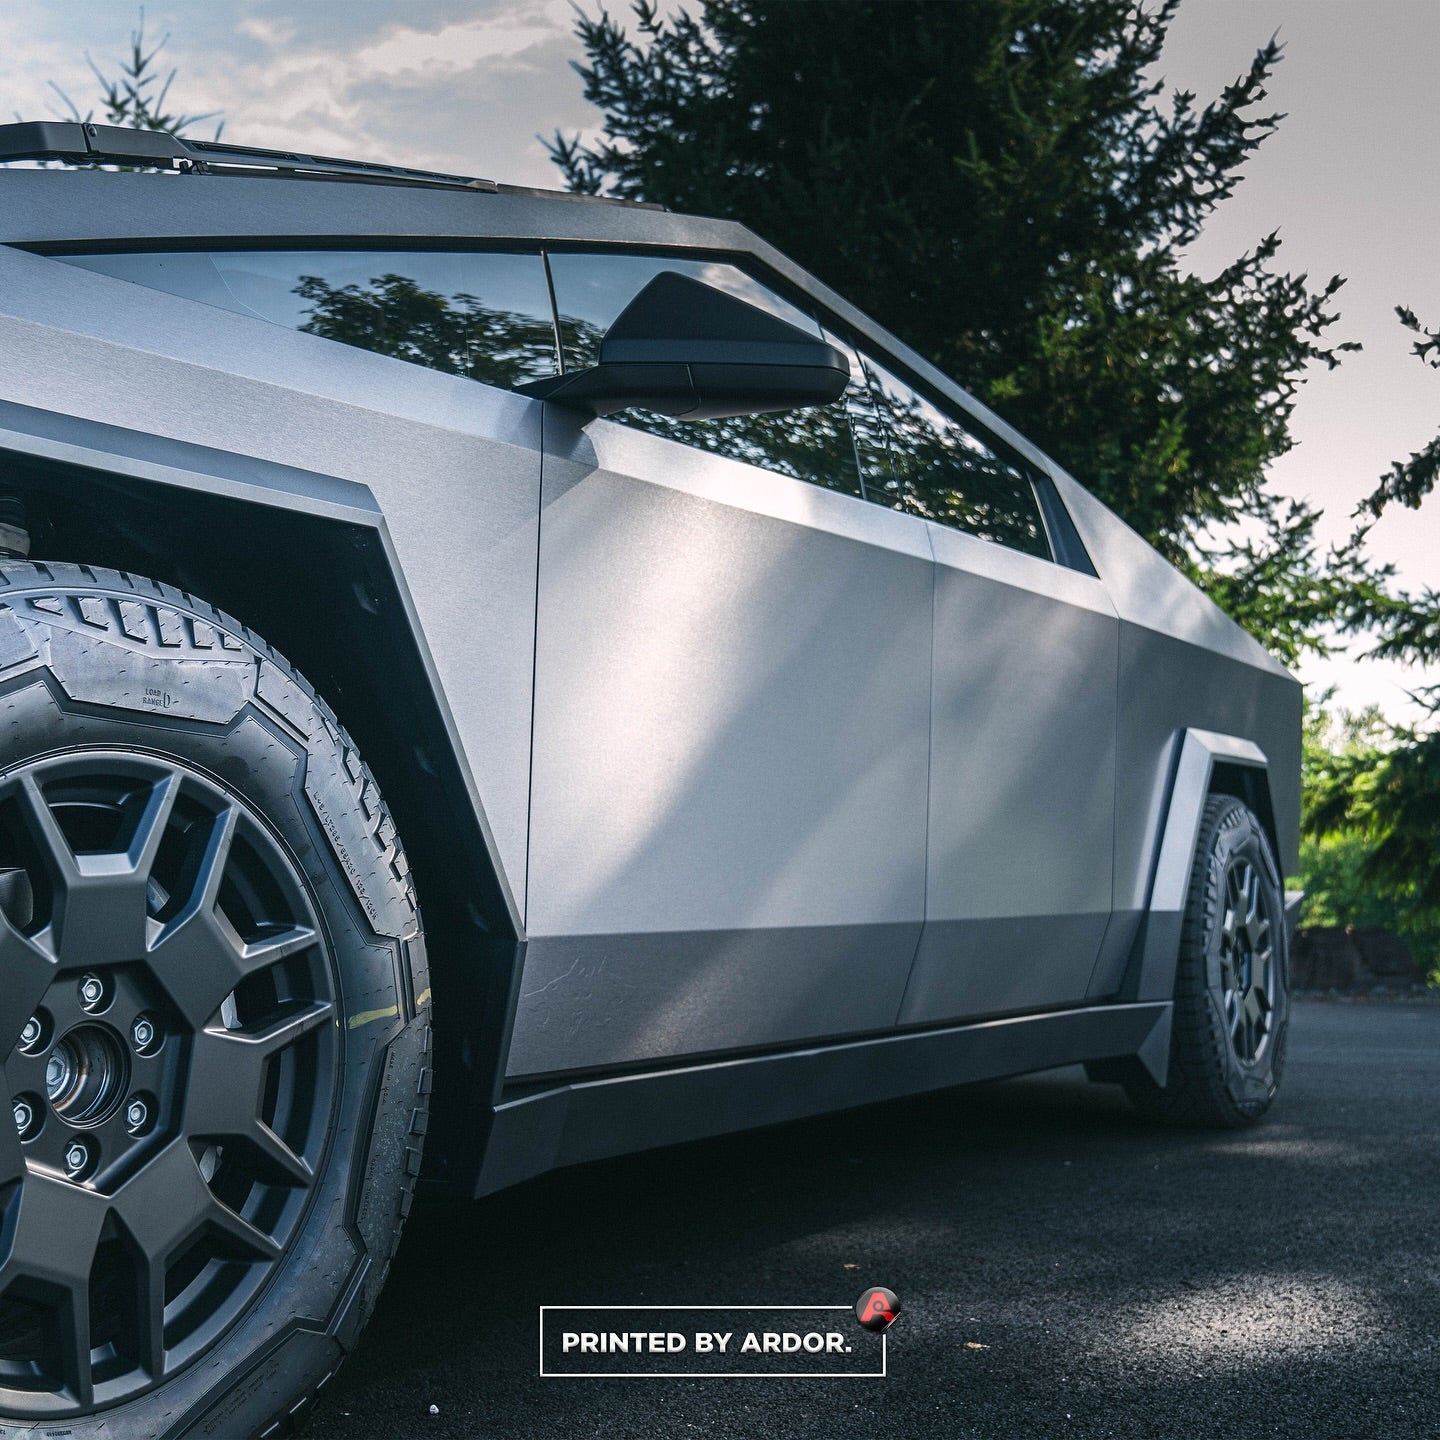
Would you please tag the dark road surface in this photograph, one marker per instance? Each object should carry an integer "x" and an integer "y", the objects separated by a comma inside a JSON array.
[{"x": 1123, "y": 1280}]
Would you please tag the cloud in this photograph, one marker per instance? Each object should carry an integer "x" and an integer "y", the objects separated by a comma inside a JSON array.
[
  {"x": 454, "y": 85},
  {"x": 467, "y": 95},
  {"x": 458, "y": 48},
  {"x": 30, "y": 61},
  {"x": 273, "y": 34}
]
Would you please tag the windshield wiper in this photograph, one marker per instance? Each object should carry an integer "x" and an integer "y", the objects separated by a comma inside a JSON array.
[{"x": 82, "y": 143}]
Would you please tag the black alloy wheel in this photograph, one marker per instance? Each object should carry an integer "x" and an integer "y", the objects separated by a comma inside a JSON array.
[
  {"x": 213, "y": 1018},
  {"x": 1247, "y": 960},
  {"x": 174, "y": 1074}
]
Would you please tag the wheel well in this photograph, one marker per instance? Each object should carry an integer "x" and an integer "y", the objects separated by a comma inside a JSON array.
[
  {"x": 322, "y": 591},
  {"x": 1249, "y": 784}
]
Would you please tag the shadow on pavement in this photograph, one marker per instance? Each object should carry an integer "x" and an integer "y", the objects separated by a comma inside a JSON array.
[{"x": 1065, "y": 1268}]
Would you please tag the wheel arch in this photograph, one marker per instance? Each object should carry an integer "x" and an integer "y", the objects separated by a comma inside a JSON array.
[
  {"x": 1205, "y": 763},
  {"x": 305, "y": 560}
]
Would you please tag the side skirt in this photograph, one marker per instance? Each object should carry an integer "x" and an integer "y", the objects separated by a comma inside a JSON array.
[{"x": 615, "y": 1115}]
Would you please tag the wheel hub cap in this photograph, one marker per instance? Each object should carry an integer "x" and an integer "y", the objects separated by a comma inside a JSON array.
[{"x": 86, "y": 1075}]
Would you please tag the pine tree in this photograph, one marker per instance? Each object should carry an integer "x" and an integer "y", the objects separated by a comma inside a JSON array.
[{"x": 1004, "y": 185}]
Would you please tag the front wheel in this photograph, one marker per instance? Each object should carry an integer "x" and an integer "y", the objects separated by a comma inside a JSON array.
[
  {"x": 213, "y": 1019},
  {"x": 1232, "y": 1003}
]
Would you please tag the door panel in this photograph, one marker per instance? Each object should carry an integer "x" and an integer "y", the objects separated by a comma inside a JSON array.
[
  {"x": 1022, "y": 790},
  {"x": 732, "y": 694}
]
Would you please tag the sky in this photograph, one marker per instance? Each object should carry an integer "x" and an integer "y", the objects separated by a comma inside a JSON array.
[{"x": 470, "y": 85}]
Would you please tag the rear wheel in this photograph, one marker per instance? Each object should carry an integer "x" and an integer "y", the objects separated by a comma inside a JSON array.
[
  {"x": 1232, "y": 1003},
  {"x": 213, "y": 1018}
]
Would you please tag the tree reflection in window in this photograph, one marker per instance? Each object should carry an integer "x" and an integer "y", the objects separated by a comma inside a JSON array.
[
  {"x": 940, "y": 470},
  {"x": 459, "y": 334}
]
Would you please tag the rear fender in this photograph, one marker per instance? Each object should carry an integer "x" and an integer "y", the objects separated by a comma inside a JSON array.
[{"x": 1206, "y": 763}]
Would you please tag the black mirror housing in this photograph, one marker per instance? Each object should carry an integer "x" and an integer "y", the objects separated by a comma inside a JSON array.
[{"x": 685, "y": 349}]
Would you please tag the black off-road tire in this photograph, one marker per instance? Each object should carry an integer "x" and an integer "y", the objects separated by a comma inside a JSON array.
[
  {"x": 1232, "y": 1006},
  {"x": 203, "y": 907}
]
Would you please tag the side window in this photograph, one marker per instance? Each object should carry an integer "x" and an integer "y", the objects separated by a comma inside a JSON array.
[
  {"x": 486, "y": 317},
  {"x": 812, "y": 444},
  {"x": 935, "y": 466}
]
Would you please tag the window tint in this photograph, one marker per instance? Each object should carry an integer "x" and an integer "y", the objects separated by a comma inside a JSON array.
[
  {"x": 487, "y": 317},
  {"x": 934, "y": 466},
  {"x": 812, "y": 444}
]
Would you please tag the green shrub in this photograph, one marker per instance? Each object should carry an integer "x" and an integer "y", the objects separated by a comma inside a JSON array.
[{"x": 1346, "y": 759}]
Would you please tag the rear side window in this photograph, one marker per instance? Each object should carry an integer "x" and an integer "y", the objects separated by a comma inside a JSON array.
[
  {"x": 812, "y": 444},
  {"x": 486, "y": 317},
  {"x": 936, "y": 466}
]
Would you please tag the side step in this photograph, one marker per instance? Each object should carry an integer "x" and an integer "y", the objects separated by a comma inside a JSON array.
[{"x": 618, "y": 1114}]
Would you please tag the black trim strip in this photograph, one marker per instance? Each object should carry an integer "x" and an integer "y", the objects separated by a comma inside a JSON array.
[{"x": 594, "y": 1119}]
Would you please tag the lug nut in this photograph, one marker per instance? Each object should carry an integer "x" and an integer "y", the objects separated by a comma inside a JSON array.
[
  {"x": 24, "y": 1116},
  {"x": 92, "y": 991},
  {"x": 31, "y": 1033},
  {"x": 136, "y": 1114},
  {"x": 143, "y": 1033},
  {"x": 77, "y": 1157}
]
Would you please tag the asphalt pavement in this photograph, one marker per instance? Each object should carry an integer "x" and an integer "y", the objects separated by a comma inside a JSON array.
[{"x": 1065, "y": 1268}]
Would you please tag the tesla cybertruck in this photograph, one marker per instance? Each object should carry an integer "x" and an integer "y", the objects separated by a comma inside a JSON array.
[{"x": 764, "y": 728}]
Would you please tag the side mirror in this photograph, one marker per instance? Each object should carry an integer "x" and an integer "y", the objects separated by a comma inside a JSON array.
[{"x": 685, "y": 349}]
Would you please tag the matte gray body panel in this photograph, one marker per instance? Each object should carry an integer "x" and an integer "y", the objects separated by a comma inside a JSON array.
[
  {"x": 601, "y": 1000},
  {"x": 1168, "y": 685},
  {"x": 1003, "y": 965},
  {"x": 732, "y": 692},
  {"x": 454, "y": 466},
  {"x": 1022, "y": 783},
  {"x": 51, "y": 435},
  {"x": 1183, "y": 663}
]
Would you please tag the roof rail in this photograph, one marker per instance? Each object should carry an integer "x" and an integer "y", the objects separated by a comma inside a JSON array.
[{"x": 82, "y": 143}]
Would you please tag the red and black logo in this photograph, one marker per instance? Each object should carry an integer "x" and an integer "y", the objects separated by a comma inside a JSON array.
[{"x": 877, "y": 1307}]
